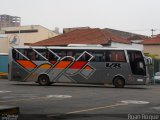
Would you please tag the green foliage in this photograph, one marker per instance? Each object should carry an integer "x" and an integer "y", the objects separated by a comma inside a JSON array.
[{"x": 151, "y": 55}]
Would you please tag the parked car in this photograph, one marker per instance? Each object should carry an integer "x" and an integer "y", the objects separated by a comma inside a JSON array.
[{"x": 157, "y": 77}]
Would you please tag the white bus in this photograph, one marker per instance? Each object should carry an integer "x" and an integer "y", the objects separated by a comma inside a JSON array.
[{"x": 78, "y": 64}]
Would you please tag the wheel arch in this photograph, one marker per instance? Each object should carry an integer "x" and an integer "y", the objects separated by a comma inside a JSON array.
[
  {"x": 43, "y": 74},
  {"x": 116, "y": 76}
]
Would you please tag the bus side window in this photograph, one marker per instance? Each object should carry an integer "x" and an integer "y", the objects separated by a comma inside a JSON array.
[
  {"x": 70, "y": 53},
  {"x": 34, "y": 56},
  {"x": 42, "y": 52},
  {"x": 15, "y": 54},
  {"x": 76, "y": 56},
  {"x": 115, "y": 56},
  {"x": 52, "y": 56},
  {"x": 81, "y": 55},
  {"x": 120, "y": 56},
  {"x": 30, "y": 54},
  {"x": 107, "y": 56},
  {"x": 20, "y": 57},
  {"x": 98, "y": 56}
]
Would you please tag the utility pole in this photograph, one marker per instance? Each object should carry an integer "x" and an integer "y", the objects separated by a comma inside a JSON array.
[{"x": 152, "y": 30}]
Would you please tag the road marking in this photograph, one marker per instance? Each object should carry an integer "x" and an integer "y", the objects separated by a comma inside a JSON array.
[
  {"x": 98, "y": 108},
  {"x": 59, "y": 96},
  {"x": 92, "y": 109},
  {"x": 4, "y": 91},
  {"x": 122, "y": 103},
  {"x": 37, "y": 98},
  {"x": 134, "y": 102}
]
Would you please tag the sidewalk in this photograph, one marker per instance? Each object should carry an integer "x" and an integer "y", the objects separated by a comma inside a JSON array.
[{"x": 3, "y": 75}]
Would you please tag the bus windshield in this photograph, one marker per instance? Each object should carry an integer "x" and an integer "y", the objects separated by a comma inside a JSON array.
[{"x": 137, "y": 62}]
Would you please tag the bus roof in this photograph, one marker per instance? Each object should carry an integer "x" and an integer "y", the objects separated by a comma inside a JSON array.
[{"x": 75, "y": 48}]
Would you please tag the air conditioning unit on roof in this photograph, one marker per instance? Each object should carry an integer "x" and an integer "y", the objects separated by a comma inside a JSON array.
[{"x": 84, "y": 45}]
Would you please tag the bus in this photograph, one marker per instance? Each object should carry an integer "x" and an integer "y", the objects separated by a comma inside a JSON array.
[
  {"x": 78, "y": 64},
  {"x": 3, "y": 64}
]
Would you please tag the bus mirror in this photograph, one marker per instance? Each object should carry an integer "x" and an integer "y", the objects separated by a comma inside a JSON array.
[{"x": 148, "y": 60}]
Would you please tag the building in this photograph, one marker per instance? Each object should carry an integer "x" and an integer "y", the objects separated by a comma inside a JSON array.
[
  {"x": 137, "y": 38},
  {"x": 152, "y": 46},
  {"x": 88, "y": 36},
  {"x": 23, "y": 35},
  {"x": 124, "y": 34},
  {"x": 134, "y": 38},
  {"x": 66, "y": 30},
  {"x": 9, "y": 21}
]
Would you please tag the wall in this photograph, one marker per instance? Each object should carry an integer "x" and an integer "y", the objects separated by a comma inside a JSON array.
[
  {"x": 4, "y": 45},
  {"x": 152, "y": 49},
  {"x": 3, "y": 63},
  {"x": 42, "y": 34}
]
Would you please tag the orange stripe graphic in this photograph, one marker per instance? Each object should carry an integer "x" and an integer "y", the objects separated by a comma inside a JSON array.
[
  {"x": 26, "y": 64},
  {"x": 78, "y": 65},
  {"x": 88, "y": 68},
  {"x": 62, "y": 64},
  {"x": 45, "y": 66}
]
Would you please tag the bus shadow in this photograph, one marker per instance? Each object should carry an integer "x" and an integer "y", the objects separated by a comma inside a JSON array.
[{"x": 84, "y": 86}]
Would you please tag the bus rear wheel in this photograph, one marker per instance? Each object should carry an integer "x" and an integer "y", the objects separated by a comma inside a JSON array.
[
  {"x": 43, "y": 80},
  {"x": 119, "y": 82}
]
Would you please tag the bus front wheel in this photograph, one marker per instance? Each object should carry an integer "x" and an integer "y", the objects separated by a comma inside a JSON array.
[
  {"x": 43, "y": 80},
  {"x": 119, "y": 82}
]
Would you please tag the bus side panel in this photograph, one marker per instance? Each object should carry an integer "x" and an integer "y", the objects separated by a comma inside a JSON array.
[
  {"x": 120, "y": 69},
  {"x": 139, "y": 80},
  {"x": 99, "y": 73},
  {"x": 42, "y": 68},
  {"x": 126, "y": 72},
  {"x": 109, "y": 70},
  {"x": 18, "y": 73},
  {"x": 94, "y": 72}
]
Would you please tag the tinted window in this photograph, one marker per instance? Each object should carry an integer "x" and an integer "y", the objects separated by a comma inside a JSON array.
[
  {"x": 99, "y": 56},
  {"x": 48, "y": 54},
  {"x": 17, "y": 56},
  {"x": 115, "y": 56},
  {"x": 64, "y": 53},
  {"x": 137, "y": 62},
  {"x": 33, "y": 55},
  {"x": 28, "y": 53},
  {"x": 133, "y": 55}
]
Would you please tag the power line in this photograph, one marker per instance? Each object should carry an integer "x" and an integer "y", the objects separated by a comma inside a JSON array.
[
  {"x": 153, "y": 30},
  {"x": 141, "y": 29}
]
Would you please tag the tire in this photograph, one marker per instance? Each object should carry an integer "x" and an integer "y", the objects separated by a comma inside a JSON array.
[
  {"x": 43, "y": 80},
  {"x": 119, "y": 82}
]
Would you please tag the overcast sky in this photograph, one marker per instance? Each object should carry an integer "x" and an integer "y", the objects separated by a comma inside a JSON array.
[{"x": 138, "y": 16}]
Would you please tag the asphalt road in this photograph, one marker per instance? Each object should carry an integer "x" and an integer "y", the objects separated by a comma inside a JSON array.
[{"x": 81, "y": 102}]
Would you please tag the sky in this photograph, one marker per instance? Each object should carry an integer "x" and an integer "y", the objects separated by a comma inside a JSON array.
[{"x": 137, "y": 16}]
